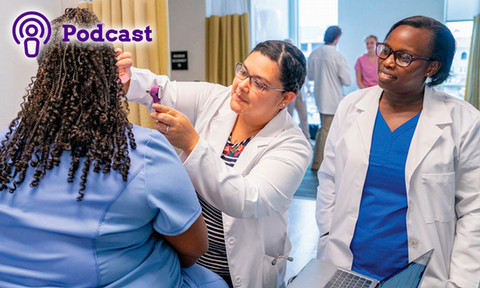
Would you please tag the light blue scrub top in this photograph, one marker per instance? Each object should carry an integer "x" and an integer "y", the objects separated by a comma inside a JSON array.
[
  {"x": 380, "y": 244},
  {"x": 49, "y": 239}
]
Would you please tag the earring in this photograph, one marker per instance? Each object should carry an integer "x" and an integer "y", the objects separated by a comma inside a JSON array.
[{"x": 282, "y": 105}]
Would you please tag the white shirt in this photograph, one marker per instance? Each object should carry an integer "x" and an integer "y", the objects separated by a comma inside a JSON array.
[
  {"x": 329, "y": 71},
  {"x": 255, "y": 194},
  {"x": 442, "y": 177}
]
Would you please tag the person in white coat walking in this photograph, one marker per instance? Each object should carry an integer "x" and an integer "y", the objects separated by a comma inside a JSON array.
[
  {"x": 330, "y": 72},
  {"x": 402, "y": 165},
  {"x": 245, "y": 156}
]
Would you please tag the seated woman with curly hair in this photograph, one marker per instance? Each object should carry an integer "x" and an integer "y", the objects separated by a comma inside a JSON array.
[{"x": 86, "y": 198}]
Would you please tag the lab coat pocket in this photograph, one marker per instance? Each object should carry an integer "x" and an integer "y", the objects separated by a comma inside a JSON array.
[
  {"x": 438, "y": 197},
  {"x": 271, "y": 270}
]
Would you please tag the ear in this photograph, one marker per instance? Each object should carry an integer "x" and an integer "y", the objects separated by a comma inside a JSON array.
[
  {"x": 433, "y": 68},
  {"x": 287, "y": 98}
]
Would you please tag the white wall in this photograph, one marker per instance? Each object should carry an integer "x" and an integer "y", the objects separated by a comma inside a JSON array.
[
  {"x": 187, "y": 33},
  {"x": 360, "y": 18},
  {"x": 461, "y": 9},
  {"x": 16, "y": 67}
]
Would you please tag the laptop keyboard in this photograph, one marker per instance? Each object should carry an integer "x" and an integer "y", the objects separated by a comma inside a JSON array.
[{"x": 343, "y": 279}]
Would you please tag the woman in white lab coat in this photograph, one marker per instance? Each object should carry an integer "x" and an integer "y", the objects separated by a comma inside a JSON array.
[
  {"x": 401, "y": 173},
  {"x": 246, "y": 123}
]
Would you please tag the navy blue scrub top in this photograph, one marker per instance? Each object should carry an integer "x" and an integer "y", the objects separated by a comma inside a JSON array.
[{"x": 380, "y": 244}]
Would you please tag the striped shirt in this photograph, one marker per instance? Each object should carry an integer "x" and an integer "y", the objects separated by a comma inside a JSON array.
[{"x": 215, "y": 258}]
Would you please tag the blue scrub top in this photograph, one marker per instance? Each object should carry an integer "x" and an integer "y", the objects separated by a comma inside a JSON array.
[
  {"x": 49, "y": 239},
  {"x": 380, "y": 244}
]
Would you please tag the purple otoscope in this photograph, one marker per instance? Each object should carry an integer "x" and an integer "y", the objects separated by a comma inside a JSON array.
[{"x": 154, "y": 93}]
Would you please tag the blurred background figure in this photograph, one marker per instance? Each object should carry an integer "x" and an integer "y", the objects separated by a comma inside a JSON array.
[
  {"x": 366, "y": 65},
  {"x": 329, "y": 70},
  {"x": 300, "y": 104}
]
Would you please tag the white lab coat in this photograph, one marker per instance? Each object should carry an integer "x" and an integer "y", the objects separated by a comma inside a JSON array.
[
  {"x": 329, "y": 70},
  {"x": 255, "y": 194},
  {"x": 442, "y": 177}
]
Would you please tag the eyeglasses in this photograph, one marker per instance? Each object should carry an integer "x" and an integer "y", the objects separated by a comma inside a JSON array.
[
  {"x": 258, "y": 86},
  {"x": 402, "y": 59}
]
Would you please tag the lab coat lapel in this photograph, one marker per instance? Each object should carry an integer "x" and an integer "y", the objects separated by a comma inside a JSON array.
[
  {"x": 367, "y": 108},
  {"x": 220, "y": 128},
  {"x": 262, "y": 139},
  {"x": 433, "y": 115}
]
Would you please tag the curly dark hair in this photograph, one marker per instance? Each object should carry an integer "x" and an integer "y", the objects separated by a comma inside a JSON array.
[{"x": 74, "y": 103}]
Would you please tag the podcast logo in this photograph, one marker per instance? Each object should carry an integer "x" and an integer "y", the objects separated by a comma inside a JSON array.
[{"x": 31, "y": 27}]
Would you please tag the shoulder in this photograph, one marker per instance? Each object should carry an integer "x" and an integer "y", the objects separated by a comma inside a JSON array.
[
  {"x": 293, "y": 136},
  {"x": 284, "y": 132},
  {"x": 458, "y": 103},
  {"x": 363, "y": 99},
  {"x": 318, "y": 51},
  {"x": 460, "y": 110},
  {"x": 152, "y": 147},
  {"x": 362, "y": 95},
  {"x": 313, "y": 54},
  {"x": 361, "y": 58}
]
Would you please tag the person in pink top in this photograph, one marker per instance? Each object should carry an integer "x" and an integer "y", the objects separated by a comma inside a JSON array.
[{"x": 366, "y": 65}]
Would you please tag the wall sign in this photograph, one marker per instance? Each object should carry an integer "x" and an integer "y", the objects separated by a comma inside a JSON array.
[{"x": 179, "y": 60}]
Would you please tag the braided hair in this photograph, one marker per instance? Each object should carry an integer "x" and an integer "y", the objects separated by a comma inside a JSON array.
[{"x": 74, "y": 103}]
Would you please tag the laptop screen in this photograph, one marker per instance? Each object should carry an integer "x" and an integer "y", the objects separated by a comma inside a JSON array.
[{"x": 409, "y": 276}]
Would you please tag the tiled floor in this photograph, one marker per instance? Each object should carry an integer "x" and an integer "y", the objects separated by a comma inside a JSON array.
[{"x": 303, "y": 228}]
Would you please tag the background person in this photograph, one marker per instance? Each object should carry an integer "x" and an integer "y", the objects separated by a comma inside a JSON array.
[
  {"x": 401, "y": 167},
  {"x": 329, "y": 70},
  {"x": 366, "y": 65},
  {"x": 300, "y": 104},
  {"x": 87, "y": 199},
  {"x": 244, "y": 153}
]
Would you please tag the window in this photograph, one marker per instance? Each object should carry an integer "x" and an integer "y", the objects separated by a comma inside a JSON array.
[
  {"x": 314, "y": 17},
  {"x": 269, "y": 20},
  {"x": 302, "y": 21},
  {"x": 462, "y": 31}
]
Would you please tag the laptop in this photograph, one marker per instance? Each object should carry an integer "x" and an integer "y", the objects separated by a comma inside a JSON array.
[{"x": 321, "y": 274}]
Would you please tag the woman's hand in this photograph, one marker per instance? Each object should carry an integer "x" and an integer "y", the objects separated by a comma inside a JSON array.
[
  {"x": 124, "y": 63},
  {"x": 176, "y": 127}
]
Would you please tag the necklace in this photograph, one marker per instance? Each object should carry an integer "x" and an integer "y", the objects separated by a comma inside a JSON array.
[
  {"x": 239, "y": 145},
  {"x": 235, "y": 147}
]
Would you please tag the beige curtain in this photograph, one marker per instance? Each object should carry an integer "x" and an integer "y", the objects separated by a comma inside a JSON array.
[
  {"x": 472, "y": 90},
  {"x": 227, "y": 43},
  {"x": 138, "y": 14}
]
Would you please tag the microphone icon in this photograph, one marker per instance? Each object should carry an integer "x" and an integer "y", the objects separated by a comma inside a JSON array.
[{"x": 35, "y": 26}]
